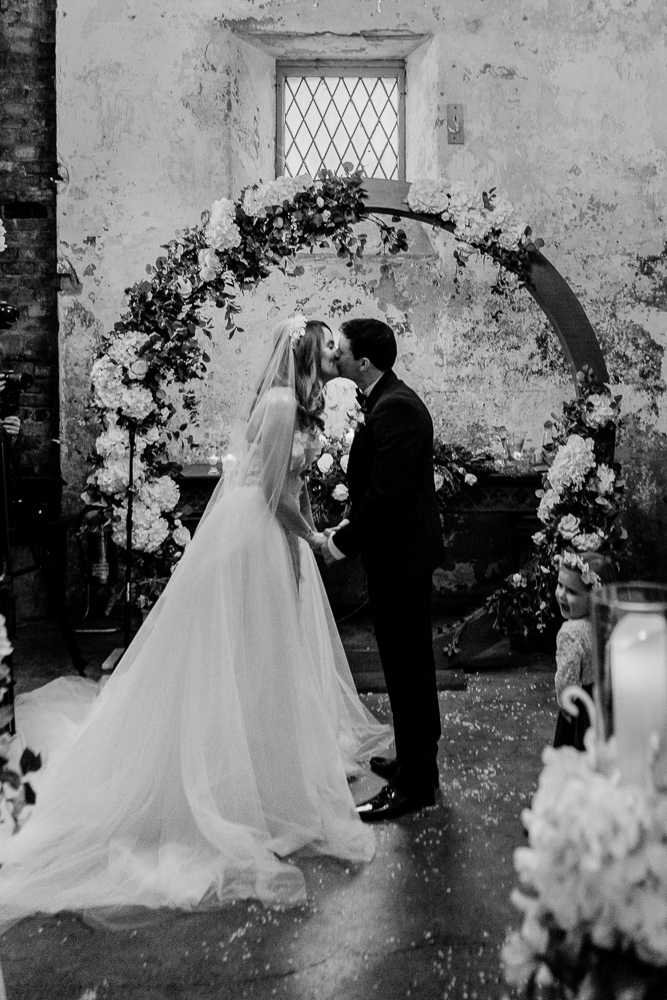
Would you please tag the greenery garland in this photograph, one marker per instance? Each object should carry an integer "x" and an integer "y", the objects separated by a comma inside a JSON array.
[{"x": 157, "y": 342}]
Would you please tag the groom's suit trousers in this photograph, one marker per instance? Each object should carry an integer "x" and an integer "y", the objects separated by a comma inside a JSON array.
[{"x": 400, "y": 606}]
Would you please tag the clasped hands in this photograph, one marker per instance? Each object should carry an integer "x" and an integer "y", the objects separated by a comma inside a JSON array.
[{"x": 319, "y": 542}]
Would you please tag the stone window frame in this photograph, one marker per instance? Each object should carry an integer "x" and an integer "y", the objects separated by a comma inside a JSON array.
[{"x": 417, "y": 51}]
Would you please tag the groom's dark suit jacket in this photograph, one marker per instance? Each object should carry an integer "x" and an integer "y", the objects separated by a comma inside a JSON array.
[
  {"x": 395, "y": 527},
  {"x": 394, "y": 512}
]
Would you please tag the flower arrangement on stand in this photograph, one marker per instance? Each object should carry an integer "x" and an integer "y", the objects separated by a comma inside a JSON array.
[
  {"x": 159, "y": 342},
  {"x": 595, "y": 911},
  {"x": 579, "y": 505}
]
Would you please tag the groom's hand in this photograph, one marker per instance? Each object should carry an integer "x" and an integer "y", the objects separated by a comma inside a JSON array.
[{"x": 332, "y": 531}]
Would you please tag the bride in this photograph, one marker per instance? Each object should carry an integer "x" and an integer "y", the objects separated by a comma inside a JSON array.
[{"x": 224, "y": 739}]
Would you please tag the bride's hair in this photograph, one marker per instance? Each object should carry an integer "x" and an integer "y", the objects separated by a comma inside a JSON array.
[{"x": 308, "y": 381}]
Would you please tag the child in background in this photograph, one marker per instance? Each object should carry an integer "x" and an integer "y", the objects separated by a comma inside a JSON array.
[{"x": 579, "y": 573}]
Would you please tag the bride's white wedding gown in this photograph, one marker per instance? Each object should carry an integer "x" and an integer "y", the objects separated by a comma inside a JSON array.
[{"x": 221, "y": 744}]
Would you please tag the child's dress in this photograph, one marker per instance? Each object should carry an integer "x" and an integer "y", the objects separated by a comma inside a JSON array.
[{"x": 574, "y": 665}]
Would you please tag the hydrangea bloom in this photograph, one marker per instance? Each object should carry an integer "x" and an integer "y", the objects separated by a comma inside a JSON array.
[
  {"x": 136, "y": 402},
  {"x": 162, "y": 493},
  {"x": 222, "y": 233},
  {"x": 573, "y": 461},
  {"x": 149, "y": 528},
  {"x": 257, "y": 199},
  {"x": 429, "y": 196},
  {"x": 124, "y": 348},
  {"x": 114, "y": 476}
]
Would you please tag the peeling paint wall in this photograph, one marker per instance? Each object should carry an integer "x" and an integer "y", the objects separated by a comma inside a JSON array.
[{"x": 165, "y": 106}]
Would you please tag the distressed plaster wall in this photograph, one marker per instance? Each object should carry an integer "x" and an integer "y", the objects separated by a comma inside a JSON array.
[{"x": 165, "y": 106}]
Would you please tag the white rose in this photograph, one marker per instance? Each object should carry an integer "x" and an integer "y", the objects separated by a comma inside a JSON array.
[
  {"x": 568, "y": 526},
  {"x": 151, "y": 436},
  {"x": 325, "y": 463},
  {"x": 181, "y": 535},
  {"x": 344, "y": 462},
  {"x": 209, "y": 264},
  {"x": 470, "y": 480},
  {"x": 340, "y": 492},
  {"x": 349, "y": 437},
  {"x": 138, "y": 369},
  {"x": 438, "y": 480}
]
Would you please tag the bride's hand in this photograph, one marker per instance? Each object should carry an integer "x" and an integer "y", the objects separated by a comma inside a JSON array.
[{"x": 316, "y": 540}]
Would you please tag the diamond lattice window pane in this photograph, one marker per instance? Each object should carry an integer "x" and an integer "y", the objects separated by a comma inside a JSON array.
[{"x": 332, "y": 120}]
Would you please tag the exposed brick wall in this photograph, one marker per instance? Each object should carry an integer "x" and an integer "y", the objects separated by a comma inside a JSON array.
[{"x": 28, "y": 267}]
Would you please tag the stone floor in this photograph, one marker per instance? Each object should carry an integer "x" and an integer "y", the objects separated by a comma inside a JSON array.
[{"x": 424, "y": 920}]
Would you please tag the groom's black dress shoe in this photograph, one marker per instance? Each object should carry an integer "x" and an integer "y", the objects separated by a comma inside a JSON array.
[
  {"x": 392, "y": 802},
  {"x": 386, "y": 767}
]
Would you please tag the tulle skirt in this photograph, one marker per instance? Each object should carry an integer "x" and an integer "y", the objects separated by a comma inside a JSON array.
[{"x": 222, "y": 743}]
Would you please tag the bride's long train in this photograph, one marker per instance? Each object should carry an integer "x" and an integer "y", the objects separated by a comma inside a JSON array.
[{"x": 221, "y": 744}]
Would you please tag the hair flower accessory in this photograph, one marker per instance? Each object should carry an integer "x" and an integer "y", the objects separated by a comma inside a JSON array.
[
  {"x": 570, "y": 560},
  {"x": 297, "y": 328}
]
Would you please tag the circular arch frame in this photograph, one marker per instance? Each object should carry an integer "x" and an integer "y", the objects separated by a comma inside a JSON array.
[{"x": 546, "y": 285}]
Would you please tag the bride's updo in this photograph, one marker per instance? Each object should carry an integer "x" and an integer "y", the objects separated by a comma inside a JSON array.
[{"x": 309, "y": 384}]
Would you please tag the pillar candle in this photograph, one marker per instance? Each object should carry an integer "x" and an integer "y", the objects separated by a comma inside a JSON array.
[{"x": 638, "y": 663}]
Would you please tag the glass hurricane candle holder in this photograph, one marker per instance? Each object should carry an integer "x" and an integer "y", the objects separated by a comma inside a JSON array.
[
  {"x": 630, "y": 661},
  {"x": 515, "y": 440}
]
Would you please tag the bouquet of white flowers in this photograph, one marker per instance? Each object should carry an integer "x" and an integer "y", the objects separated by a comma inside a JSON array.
[{"x": 595, "y": 916}]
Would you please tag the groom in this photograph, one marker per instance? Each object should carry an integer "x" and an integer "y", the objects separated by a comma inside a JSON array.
[{"x": 394, "y": 525}]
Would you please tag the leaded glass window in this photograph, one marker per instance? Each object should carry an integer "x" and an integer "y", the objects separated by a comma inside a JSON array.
[{"x": 335, "y": 113}]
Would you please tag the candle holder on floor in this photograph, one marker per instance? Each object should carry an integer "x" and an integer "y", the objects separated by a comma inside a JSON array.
[{"x": 630, "y": 661}]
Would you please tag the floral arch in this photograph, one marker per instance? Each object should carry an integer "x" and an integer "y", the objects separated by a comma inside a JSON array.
[{"x": 157, "y": 343}]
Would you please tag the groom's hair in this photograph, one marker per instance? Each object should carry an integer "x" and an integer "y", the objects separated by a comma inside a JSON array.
[{"x": 372, "y": 339}]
